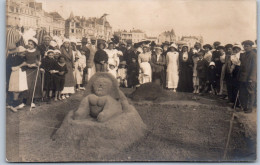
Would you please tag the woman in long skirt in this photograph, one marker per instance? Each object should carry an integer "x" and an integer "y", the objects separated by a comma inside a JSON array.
[
  {"x": 144, "y": 60},
  {"x": 185, "y": 62},
  {"x": 66, "y": 52},
  {"x": 172, "y": 62},
  {"x": 33, "y": 58}
]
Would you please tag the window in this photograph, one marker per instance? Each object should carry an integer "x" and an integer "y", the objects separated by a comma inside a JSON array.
[
  {"x": 72, "y": 30},
  {"x": 12, "y": 8},
  {"x": 17, "y": 10}
]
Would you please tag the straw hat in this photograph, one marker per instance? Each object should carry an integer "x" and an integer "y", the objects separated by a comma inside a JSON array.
[
  {"x": 173, "y": 45},
  {"x": 33, "y": 40}
]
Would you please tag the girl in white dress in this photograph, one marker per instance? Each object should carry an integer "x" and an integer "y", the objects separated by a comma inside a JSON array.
[{"x": 172, "y": 62}]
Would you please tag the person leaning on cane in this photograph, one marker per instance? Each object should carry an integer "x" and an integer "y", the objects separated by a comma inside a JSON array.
[{"x": 247, "y": 77}]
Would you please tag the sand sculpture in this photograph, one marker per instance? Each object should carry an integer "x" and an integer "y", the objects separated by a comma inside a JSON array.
[{"x": 104, "y": 122}]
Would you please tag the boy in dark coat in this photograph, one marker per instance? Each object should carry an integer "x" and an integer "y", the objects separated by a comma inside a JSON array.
[
  {"x": 212, "y": 78},
  {"x": 202, "y": 67},
  {"x": 47, "y": 66},
  {"x": 133, "y": 73},
  {"x": 101, "y": 58}
]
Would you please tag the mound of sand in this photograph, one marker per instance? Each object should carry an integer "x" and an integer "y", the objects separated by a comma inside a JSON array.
[
  {"x": 147, "y": 91},
  {"x": 90, "y": 137}
]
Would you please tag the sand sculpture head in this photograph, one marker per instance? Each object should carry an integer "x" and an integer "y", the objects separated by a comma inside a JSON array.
[{"x": 103, "y": 84}]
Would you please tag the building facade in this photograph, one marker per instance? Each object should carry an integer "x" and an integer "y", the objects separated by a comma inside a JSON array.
[
  {"x": 20, "y": 14},
  {"x": 26, "y": 14},
  {"x": 191, "y": 40},
  {"x": 167, "y": 36},
  {"x": 133, "y": 35},
  {"x": 78, "y": 27},
  {"x": 58, "y": 24}
]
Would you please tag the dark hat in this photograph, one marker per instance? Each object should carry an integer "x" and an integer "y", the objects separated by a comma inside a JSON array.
[
  {"x": 152, "y": 44},
  {"x": 136, "y": 45},
  {"x": 101, "y": 41},
  {"x": 228, "y": 46},
  {"x": 220, "y": 47},
  {"x": 248, "y": 42},
  {"x": 207, "y": 46},
  {"x": 166, "y": 43},
  {"x": 84, "y": 40},
  {"x": 197, "y": 43},
  {"x": 216, "y": 43},
  {"x": 129, "y": 41}
]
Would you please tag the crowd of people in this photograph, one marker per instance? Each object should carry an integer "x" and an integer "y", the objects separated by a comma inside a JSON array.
[{"x": 50, "y": 71}]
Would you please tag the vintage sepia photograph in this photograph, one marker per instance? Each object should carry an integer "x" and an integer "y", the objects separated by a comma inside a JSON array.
[{"x": 131, "y": 81}]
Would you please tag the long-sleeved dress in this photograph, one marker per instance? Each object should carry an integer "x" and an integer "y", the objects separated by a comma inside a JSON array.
[
  {"x": 185, "y": 76},
  {"x": 33, "y": 57},
  {"x": 144, "y": 60},
  {"x": 69, "y": 77},
  {"x": 172, "y": 61}
]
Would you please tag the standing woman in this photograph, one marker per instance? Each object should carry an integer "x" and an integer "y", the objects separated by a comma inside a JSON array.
[
  {"x": 185, "y": 62},
  {"x": 172, "y": 62},
  {"x": 66, "y": 52},
  {"x": 33, "y": 60},
  {"x": 144, "y": 60}
]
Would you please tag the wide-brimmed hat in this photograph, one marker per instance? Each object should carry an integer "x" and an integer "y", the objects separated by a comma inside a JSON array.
[
  {"x": 173, "y": 46},
  {"x": 146, "y": 46},
  {"x": 47, "y": 36},
  {"x": 57, "y": 51},
  {"x": 212, "y": 63},
  {"x": 207, "y": 46},
  {"x": 158, "y": 47},
  {"x": 216, "y": 43},
  {"x": 220, "y": 47},
  {"x": 197, "y": 43},
  {"x": 237, "y": 45},
  {"x": 66, "y": 40},
  {"x": 49, "y": 51},
  {"x": 33, "y": 40},
  {"x": 53, "y": 43},
  {"x": 248, "y": 42},
  {"x": 228, "y": 46},
  {"x": 84, "y": 40},
  {"x": 122, "y": 63}
]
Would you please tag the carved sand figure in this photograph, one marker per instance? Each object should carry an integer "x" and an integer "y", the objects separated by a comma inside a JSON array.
[{"x": 104, "y": 123}]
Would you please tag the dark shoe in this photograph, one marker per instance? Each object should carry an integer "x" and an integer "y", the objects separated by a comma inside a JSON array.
[{"x": 248, "y": 110}]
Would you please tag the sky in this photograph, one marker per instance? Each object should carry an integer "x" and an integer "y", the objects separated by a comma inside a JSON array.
[{"x": 227, "y": 21}]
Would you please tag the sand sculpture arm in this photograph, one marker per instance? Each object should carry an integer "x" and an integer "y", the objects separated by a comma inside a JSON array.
[{"x": 83, "y": 111}]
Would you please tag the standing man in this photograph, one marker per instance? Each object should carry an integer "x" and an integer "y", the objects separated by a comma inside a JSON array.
[
  {"x": 247, "y": 77},
  {"x": 45, "y": 46},
  {"x": 90, "y": 60},
  {"x": 158, "y": 62}
]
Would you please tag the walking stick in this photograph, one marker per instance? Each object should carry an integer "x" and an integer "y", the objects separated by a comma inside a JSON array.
[
  {"x": 35, "y": 85},
  {"x": 230, "y": 127},
  {"x": 42, "y": 85}
]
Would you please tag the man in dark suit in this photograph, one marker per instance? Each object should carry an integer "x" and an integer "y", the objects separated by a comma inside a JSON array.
[
  {"x": 131, "y": 53},
  {"x": 247, "y": 77},
  {"x": 158, "y": 62}
]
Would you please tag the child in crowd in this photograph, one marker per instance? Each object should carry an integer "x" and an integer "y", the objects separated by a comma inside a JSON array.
[
  {"x": 112, "y": 67},
  {"x": 80, "y": 64},
  {"x": 212, "y": 78},
  {"x": 122, "y": 74},
  {"x": 47, "y": 65},
  {"x": 60, "y": 69},
  {"x": 202, "y": 67},
  {"x": 133, "y": 73},
  {"x": 18, "y": 79},
  {"x": 56, "y": 54}
]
